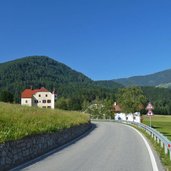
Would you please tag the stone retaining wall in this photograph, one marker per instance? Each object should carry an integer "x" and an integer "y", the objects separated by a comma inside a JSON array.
[{"x": 17, "y": 152}]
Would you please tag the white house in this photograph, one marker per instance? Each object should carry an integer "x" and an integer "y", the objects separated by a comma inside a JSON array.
[
  {"x": 120, "y": 116},
  {"x": 125, "y": 117},
  {"x": 128, "y": 117},
  {"x": 38, "y": 97}
]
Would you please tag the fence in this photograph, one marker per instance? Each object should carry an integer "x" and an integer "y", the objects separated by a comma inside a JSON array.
[{"x": 158, "y": 137}]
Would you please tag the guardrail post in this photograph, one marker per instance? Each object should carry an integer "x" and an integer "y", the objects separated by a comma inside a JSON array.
[
  {"x": 161, "y": 144},
  {"x": 166, "y": 150},
  {"x": 147, "y": 132},
  {"x": 151, "y": 134},
  {"x": 158, "y": 141}
]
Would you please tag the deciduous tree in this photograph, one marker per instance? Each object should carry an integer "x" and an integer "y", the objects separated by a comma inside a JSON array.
[{"x": 131, "y": 99}]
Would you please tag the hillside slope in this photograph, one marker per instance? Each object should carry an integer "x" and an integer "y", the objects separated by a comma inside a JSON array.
[
  {"x": 109, "y": 84},
  {"x": 156, "y": 79},
  {"x": 38, "y": 71}
]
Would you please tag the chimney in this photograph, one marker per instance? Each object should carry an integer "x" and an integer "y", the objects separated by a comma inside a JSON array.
[{"x": 53, "y": 92}]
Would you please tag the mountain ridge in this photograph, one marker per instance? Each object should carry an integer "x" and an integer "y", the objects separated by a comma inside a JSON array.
[
  {"x": 158, "y": 79},
  {"x": 43, "y": 71},
  {"x": 155, "y": 79}
]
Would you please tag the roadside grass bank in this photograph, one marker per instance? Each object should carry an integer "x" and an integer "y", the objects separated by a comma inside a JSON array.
[
  {"x": 18, "y": 121},
  {"x": 161, "y": 123},
  {"x": 165, "y": 159}
]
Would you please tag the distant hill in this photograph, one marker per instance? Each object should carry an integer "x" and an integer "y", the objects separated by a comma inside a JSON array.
[
  {"x": 161, "y": 79},
  {"x": 109, "y": 84},
  {"x": 165, "y": 85},
  {"x": 75, "y": 90},
  {"x": 38, "y": 71}
]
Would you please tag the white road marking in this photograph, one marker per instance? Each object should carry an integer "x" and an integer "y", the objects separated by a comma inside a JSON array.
[{"x": 153, "y": 161}]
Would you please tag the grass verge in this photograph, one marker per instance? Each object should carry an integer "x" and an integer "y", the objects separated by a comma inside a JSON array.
[
  {"x": 162, "y": 123},
  {"x": 18, "y": 121},
  {"x": 165, "y": 159}
]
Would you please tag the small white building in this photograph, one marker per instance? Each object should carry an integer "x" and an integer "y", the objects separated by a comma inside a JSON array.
[
  {"x": 38, "y": 97},
  {"x": 128, "y": 117},
  {"x": 120, "y": 116}
]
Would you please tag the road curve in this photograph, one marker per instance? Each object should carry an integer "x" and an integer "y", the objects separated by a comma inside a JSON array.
[{"x": 109, "y": 147}]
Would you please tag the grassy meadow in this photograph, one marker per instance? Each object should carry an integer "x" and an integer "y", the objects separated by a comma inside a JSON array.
[
  {"x": 162, "y": 123},
  {"x": 18, "y": 121}
]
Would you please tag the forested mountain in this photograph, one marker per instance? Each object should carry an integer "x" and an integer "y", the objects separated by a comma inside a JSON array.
[
  {"x": 161, "y": 99},
  {"x": 75, "y": 90},
  {"x": 157, "y": 79},
  {"x": 39, "y": 71},
  {"x": 109, "y": 84}
]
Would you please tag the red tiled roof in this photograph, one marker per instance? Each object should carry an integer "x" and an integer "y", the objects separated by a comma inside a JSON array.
[
  {"x": 117, "y": 107},
  {"x": 28, "y": 93}
]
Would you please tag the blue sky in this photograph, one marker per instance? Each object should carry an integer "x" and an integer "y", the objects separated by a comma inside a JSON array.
[{"x": 104, "y": 39}]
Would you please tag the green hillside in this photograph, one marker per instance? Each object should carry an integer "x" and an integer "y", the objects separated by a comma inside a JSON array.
[
  {"x": 161, "y": 99},
  {"x": 165, "y": 85},
  {"x": 75, "y": 90},
  {"x": 109, "y": 84},
  {"x": 156, "y": 79},
  {"x": 42, "y": 71},
  {"x": 38, "y": 70}
]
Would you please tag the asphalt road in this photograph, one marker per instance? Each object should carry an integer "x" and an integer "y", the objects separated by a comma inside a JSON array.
[{"x": 109, "y": 147}]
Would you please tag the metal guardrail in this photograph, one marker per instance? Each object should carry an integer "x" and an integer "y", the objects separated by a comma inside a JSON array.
[{"x": 160, "y": 138}]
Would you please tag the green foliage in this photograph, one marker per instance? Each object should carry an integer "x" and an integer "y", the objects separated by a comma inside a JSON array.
[
  {"x": 100, "y": 109},
  {"x": 74, "y": 97},
  {"x": 38, "y": 71},
  {"x": 155, "y": 79},
  {"x": 131, "y": 99},
  {"x": 109, "y": 84},
  {"x": 75, "y": 89},
  {"x": 161, "y": 99},
  {"x": 6, "y": 96},
  {"x": 18, "y": 121},
  {"x": 62, "y": 103}
]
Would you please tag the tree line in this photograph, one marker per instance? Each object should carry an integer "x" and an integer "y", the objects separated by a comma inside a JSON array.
[
  {"x": 75, "y": 90},
  {"x": 80, "y": 97}
]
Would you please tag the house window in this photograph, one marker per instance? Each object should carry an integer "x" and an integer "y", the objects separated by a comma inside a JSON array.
[
  {"x": 39, "y": 95},
  {"x": 49, "y": 107},
  {"x": 48, "y": 101},
  {"x": 43, "y": 101},
  {"x": 46, "y": 95},
  {"x": 26, "y": 101},
  {"x": 44, "y": 107},
  {"x": 36, "y": 101}
]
